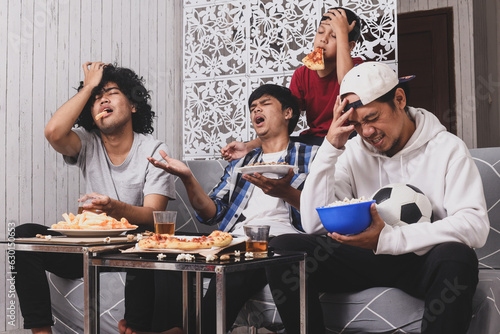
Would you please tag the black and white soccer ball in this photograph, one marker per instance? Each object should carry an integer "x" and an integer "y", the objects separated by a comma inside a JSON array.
[{"x": 399, "y": 204}]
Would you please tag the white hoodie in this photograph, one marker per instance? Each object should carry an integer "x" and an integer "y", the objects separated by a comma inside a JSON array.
[{"x": 434, "y": 160}]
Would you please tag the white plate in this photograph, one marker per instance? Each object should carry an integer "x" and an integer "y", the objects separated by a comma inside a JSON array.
[
  {"x": 270, "y": 171},
  {"x": 91, "y": 233},
  {"x": 173, "y": 250}
]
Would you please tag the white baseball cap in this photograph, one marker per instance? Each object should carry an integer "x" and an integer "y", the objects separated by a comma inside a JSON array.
[{"x": 370, "y": 80}]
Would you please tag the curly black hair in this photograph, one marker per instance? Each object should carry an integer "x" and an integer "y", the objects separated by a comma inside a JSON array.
[{"x": 132, "y": 86}]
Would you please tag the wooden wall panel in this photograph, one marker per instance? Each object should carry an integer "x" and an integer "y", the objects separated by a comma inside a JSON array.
[
  {"x": 39, "y": 145},
  {"x": 3, "y": 113},
  {"x": 161, "y": 100},
  {"x": 73, "y": 75},
  {"x": 50, "y": 105},
  {"x": 487, "y": 74},
  {"x": 3, "y": 154},
  {"x": 12, "y": 109},
  {"x": 25, "y": 110},
  {"x": 468, "y": 97},
  {"x": 43, "y": 44}
]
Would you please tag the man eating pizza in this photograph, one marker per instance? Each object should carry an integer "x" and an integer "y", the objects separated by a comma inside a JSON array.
[
  {"x": 317, "y": 87},
  {"x": 251, "y": 199},
  {"x": 111, "y": 152}
]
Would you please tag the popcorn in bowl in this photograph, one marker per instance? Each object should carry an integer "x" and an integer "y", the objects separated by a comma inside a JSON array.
[
  {"x": 348, "y": 201},
  {"x": 350, "y": 216}
]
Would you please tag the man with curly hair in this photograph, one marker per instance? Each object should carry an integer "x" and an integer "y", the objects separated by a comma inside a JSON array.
[{"x": 111, "y": 151}]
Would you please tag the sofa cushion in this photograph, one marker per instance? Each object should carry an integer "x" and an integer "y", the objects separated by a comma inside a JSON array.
[
  {"x": 488, "y": 163},
  {"x": 376, "y": 310},
  {"x": 208, "y": 174},
  {"x": 383, "y": 310},
  {"x": 67, "y": 302}
]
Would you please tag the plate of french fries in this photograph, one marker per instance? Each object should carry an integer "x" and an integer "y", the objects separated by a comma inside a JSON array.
[{"x": 90, "y": 224}]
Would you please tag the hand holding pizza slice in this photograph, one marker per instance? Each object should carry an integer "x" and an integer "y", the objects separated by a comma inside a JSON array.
[{"x": 315, "y": 60}]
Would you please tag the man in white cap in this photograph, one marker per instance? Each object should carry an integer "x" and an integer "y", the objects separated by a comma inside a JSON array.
[{"x": 432, "y": 260}]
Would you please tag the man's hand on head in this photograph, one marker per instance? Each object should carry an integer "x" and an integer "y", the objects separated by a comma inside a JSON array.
[
  {"x": 368, "y": 238},
  {"x": 338, "y": 21},
  {"x": 93, "y": 73},
  {"x": 339, "y": 131}
]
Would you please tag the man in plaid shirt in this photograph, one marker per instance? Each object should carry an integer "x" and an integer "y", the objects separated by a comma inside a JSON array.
[
  {"x": 252, "y": 199},
  {"x": 231, "y": 195}
]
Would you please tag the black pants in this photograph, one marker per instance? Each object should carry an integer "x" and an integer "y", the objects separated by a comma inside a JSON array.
[
  {"x": 31, "y": 282},
  {"x": 240, "y": 286},
  {"x": 167, "y": 300},
  {"x": 446, "y": 278},
  {"x": 33, "y": 289},
  {"x": 153, "y": 300}
]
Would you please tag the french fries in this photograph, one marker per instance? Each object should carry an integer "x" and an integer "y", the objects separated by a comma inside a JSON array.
[
  {"x": 100, "y": 115},
  {"x": 91, "y": 221}
]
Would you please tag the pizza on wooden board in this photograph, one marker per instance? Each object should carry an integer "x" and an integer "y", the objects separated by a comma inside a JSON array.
[
  {"x": 165, "y": 241},
  {"x": 315, "y": 61}
]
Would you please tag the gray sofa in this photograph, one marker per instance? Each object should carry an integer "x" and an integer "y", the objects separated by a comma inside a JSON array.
[{"x": 376, "y": 310}]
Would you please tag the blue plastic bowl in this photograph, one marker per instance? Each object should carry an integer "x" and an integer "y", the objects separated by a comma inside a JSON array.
[{"x": 346, "y": 219}]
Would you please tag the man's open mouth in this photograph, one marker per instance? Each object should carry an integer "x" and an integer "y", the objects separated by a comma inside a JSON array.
[{"x": 259, "y": 119}]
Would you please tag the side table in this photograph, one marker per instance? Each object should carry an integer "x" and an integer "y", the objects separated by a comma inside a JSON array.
[
  {"x": 198, "y": 266},
  {"x": 75, "y": 245}
]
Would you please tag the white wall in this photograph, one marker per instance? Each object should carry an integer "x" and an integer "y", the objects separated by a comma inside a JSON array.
[
  {"x": 463, "y": 40},
  {"x": 43, "y": 44}
]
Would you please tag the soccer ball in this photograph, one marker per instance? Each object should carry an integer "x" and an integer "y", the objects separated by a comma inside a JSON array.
[{"x": 399, "y": 204}]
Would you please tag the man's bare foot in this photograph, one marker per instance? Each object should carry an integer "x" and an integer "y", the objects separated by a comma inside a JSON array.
[
  {"x": 122, "y": 325},
  {"x": 42, "y": 330}
]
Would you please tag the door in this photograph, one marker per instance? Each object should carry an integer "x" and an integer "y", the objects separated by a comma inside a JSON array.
[{"x": 425, "y": 48}]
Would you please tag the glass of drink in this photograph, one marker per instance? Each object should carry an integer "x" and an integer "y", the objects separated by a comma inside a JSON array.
[
  {"x": 84, "y": 199},
  {"x": 165, "y": 222},
  {"x": 257, "y": 238}
]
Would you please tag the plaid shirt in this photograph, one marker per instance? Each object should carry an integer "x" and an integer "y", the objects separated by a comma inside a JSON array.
[{"x": 232, "y": 193}]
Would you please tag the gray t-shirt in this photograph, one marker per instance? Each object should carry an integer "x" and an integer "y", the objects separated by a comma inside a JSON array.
[{"x": 129, "y": 182}]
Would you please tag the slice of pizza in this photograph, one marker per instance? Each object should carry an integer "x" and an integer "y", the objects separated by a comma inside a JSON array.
[
  {"x": 315, "y": 60},
  {"x": 220, "y": 239},
  {"x": 188, "y": 244},
  {"x": 162, "y": 241}
]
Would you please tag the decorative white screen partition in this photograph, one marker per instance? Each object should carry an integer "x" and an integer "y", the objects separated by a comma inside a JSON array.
[{"x": 232, "y": 47}]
